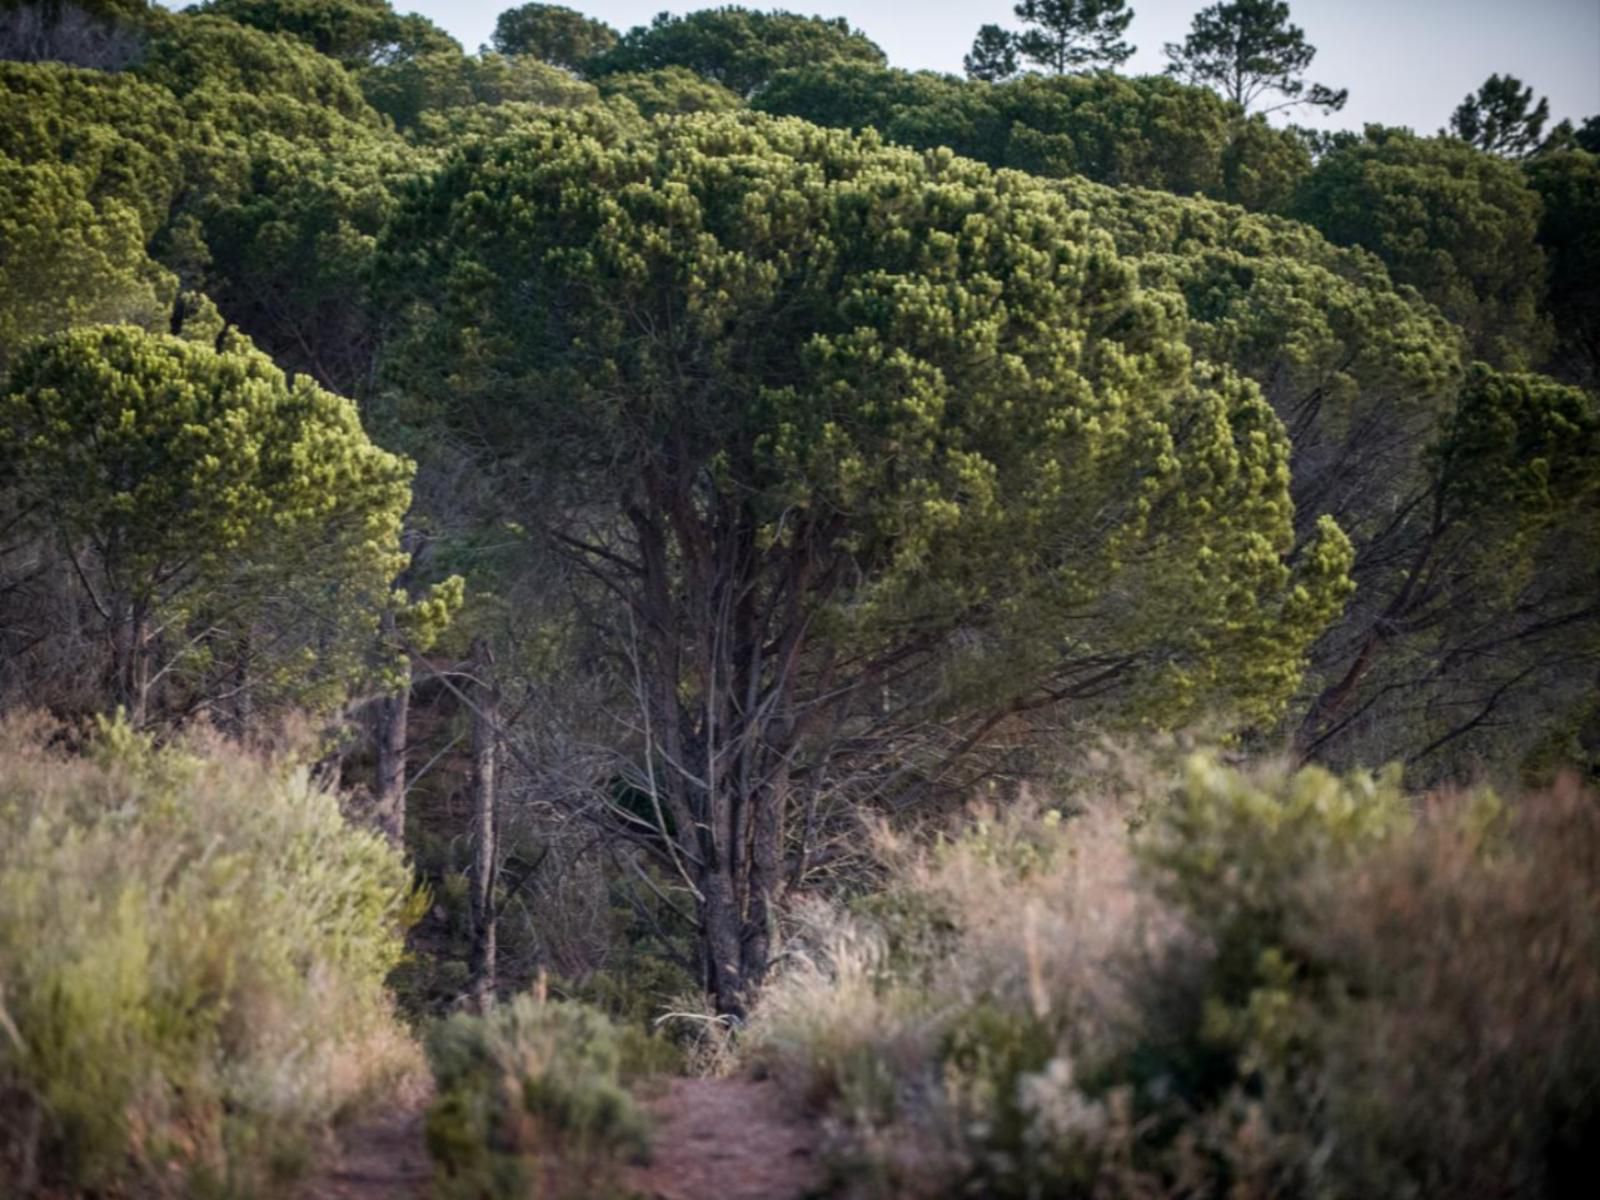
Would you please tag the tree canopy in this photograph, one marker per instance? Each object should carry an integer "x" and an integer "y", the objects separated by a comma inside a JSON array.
[
  {"x": 355, "y": 32},
  {"x": 1068, "y": 35},
  {"x": 1501, "y": 118},
  {"x": 1147, "y": 131},
  {"x": 1250, "y": 52},
  {"x": 993, "y": 56},
  {"x": 229, "y": 531},
  {"x": 1456, "y": 224},
  {"x": 1568, "y": 185},
  {"x": 1061, "y": 36},
  {"x": 553, "y": 34},
  {"x": 739, "y": 48},
  {"x": 826, "y": 390}
]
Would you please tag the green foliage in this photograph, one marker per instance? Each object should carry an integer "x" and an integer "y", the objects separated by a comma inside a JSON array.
[
  {"x": 1367, "y": 376},
  {"x": 1587, "y": 135},
  {"x": 125, "y": 138},
  {"x": 1229, "y": 848},
  {"x": 1069, "y": 35},
  {"x": 737, "y": 47},
  {"x": 1362, "y": 373},
  {"x": 1501, "y": 118},
  {"x": 1279, "y": 961},
  {"x": 357, "y": 33},
  {"x": 247, "y": 81},
  {"x": 193, "y": 945},
  {"x": 1250, "y": 52},
  {"x": 1568, "y": 185},
  {"x": 530, "y": 1078},
  {"x": 551, "y": 33},
  {"x": 993, "y": 56},
  {"x": 64, "y": 263},
  {"x": 828, "y": 266},
  {"x": 1522, "y": 445},
  {"x": 1147, "y": 132},
  {"x": 252, "y": 191},
  {"x": 408, "y": 89},
  {"x": 1385, "y": 950},
  {"x": 671, "y": 91},
  {"x": 220, "y": 518},
  {"x": 1455, "y": 223},
  {"x": 1478, "y": 638},
  {"x": 1339, "y": 351},
  {"x": 287, "y": 245}
]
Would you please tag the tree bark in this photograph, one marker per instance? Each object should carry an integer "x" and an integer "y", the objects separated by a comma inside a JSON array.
[
  {"x": 485, "y": 827},
  {"x": 131, "y": 660},
  {"x": 720, "y": 944},
  {"x": 392, "y": 729}
]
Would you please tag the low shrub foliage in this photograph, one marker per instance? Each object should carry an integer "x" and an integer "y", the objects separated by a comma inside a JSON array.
[
  {"x": 193, "y": 947},
  {"x": 1270, "y": 983},
  {"x": 525, "y": 1083}
]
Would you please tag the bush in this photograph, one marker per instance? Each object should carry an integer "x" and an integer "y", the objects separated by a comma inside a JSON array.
[
  {"x": 529, "y": 1078},
  {"x": 1277, "y": 983},
  {"x": 192, "y": 947}
]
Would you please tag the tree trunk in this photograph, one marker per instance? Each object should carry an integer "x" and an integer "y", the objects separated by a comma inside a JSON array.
[
  {"x": 131, "y": 660},
  {"x": 720, "y": 946},
  {"x": 392, "y": 728},
  {"x": 766, "y": 882},
  {"x": 485, "y": 777}
]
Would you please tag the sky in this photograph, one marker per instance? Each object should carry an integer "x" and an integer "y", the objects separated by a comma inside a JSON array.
[{"x": 1406, "y": 62}]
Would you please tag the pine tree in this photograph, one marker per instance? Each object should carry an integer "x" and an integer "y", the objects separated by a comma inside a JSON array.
[
  {"x": 993, "y": 56},
  {"x": 1501, "y": 118},
  {"x": 1249, "y": 51},
  {"x": 1069, "y": 35}
]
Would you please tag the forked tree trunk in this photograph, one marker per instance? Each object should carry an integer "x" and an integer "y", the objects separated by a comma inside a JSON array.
[
  {"x": 485, "y": 826},
  {"x": 740, "y": 893}
]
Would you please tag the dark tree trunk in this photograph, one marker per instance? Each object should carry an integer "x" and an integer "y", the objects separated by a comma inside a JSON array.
[
  {"x": 720, "y": 922},
  {"x": 131, "y": 660}
]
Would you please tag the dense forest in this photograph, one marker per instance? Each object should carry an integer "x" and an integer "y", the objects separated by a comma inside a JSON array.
[{"x": 1049, "y": 618}]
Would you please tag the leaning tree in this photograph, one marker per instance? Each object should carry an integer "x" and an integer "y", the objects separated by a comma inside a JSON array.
[{"x": 872, "y": 450}]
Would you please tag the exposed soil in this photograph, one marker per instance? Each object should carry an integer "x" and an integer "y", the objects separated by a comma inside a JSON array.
[
  {"x": 380, "y": 1159},
  {"x": 735, "y": 1139}
]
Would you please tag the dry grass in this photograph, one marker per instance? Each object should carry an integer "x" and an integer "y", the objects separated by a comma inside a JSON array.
[{"x": 1267, "y": 983}]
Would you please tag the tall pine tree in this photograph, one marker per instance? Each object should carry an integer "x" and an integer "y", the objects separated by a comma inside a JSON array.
[{"x": 1250, "y": 53}]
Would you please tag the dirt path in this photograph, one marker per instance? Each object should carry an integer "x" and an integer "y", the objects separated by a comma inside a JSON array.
[
  {"x": 734, "y": 1139},
  {"x": 381, "y": 1159}
]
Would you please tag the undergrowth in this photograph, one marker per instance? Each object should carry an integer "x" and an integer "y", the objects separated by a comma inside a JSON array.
[
  {"x": 193, "y": 947},
  {"x": 532, "y": 1099},
  {"x": 1265, "y": 983}
]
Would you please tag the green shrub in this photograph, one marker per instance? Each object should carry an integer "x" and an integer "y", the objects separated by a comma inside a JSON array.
[
  {"x": 1275, "y": 983},
  {"x": 192, "y": 947},
  {"x": 530, "y": 1077}
]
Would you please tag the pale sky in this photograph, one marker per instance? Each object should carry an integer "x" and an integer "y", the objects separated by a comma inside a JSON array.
[{"x": 1406, "y": 62}]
